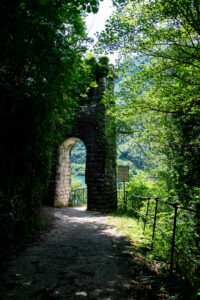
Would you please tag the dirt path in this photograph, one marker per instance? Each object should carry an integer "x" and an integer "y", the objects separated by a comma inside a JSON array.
[{"x": 79, "y": 258}]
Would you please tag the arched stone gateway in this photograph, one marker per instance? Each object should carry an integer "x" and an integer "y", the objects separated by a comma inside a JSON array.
[{"x": 97, "y": 131}]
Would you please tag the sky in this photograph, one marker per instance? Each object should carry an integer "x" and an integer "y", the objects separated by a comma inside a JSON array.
[{"x": 96, "y": 22}]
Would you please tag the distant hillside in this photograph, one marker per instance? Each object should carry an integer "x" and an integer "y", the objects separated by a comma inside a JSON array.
[
  {"x": 78, "y": 159},
  {"x": 128, "y": 154}
]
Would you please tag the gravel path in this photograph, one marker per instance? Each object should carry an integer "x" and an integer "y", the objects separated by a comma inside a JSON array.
[{"x": 79, "y": 258}]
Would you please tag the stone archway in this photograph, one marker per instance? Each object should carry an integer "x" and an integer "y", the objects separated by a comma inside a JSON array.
[
  {"x": 98, "y": 133},
  {"x": 63, "y": 184}
]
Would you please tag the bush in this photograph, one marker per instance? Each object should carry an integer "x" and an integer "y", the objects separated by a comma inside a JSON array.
[{"x": 78, "y": 194}]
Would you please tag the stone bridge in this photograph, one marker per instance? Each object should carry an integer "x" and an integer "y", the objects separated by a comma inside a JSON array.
[{"x": 97, "y": 131}]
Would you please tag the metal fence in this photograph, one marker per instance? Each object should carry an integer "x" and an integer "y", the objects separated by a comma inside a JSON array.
[
  {"x": 78, "y": 197},
  {"x": 176, "y": 224}
]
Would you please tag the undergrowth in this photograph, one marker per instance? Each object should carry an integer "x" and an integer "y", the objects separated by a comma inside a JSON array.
[{"x": 178, "y": 287}]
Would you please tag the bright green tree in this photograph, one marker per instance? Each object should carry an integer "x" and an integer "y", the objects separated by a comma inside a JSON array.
[{"x": 158, "y": 42}]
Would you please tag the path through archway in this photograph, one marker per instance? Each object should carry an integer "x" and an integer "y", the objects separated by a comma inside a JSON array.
[{"x": 97, "y": 130}]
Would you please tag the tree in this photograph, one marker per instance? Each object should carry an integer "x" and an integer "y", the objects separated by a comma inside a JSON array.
[
  {"x": 160, "y": 39},
  {"x": 41, "y": 79}
]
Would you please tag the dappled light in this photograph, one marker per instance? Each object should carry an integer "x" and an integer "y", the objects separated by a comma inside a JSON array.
[{"x": 82, "y": 256}]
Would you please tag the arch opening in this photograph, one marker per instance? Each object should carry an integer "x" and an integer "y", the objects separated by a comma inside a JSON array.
[
  {"x": 78, "y": 164},
  {"x": 97, "y": 130},
  {"x": 63, "y": 178}
]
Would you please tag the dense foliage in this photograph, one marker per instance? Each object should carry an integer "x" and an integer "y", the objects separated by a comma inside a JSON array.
[
  {"x": 158, "y": 106},
  {"x": 42, "y": 44},
  {"x": 158, "y": 42}
]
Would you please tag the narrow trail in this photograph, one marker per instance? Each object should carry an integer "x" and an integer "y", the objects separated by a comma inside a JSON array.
[{"x": 80, "y": 257}]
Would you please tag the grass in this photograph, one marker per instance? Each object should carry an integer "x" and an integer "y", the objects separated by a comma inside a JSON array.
[
  {"x": 60, "y": 205},
  {"x": 178, "y": 288},
  {"x": 134, "y": 230}
]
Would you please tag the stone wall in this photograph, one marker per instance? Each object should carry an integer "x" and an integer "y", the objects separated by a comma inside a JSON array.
[
  {"x": 97, "y": 131},
  {"x": 63, "y": 176}
]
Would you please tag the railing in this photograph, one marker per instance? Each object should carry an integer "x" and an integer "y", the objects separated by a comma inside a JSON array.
[
  {"x": 177, "y": 215},
  {"x": 78, "y": 197}
]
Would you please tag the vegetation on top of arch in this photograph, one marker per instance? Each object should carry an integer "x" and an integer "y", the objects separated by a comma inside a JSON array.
[{"x": 93, "y": 69}]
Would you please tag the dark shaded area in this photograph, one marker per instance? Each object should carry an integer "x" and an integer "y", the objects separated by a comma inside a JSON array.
[
  {"x": 35, "y": 67},
  {"x": 42, "y": 76}
]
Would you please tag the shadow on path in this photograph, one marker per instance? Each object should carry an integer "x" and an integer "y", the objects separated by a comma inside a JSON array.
[{"x": 79, "y": 258}]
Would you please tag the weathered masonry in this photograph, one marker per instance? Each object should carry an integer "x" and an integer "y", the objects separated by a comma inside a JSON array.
[{"x": 97, "y": 131}]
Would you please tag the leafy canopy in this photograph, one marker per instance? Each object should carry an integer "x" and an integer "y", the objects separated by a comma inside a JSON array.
[{"x": 159, "y": 45}]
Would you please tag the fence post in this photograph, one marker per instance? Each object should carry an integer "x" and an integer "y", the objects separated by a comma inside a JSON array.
[
  {"x": 147, "y": 210},
  {"x": 138, "y": 220},
  {"x": 84, "y": 195},
  {"x": 126, "y": 200},
  {"x": 173, "y": 237},
  {"x": 154, "y": 223},
  {"x": 125, "y": 206}
]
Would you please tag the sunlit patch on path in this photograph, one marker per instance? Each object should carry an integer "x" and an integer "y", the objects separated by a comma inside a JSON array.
[{"x": 81, "y": 257}]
